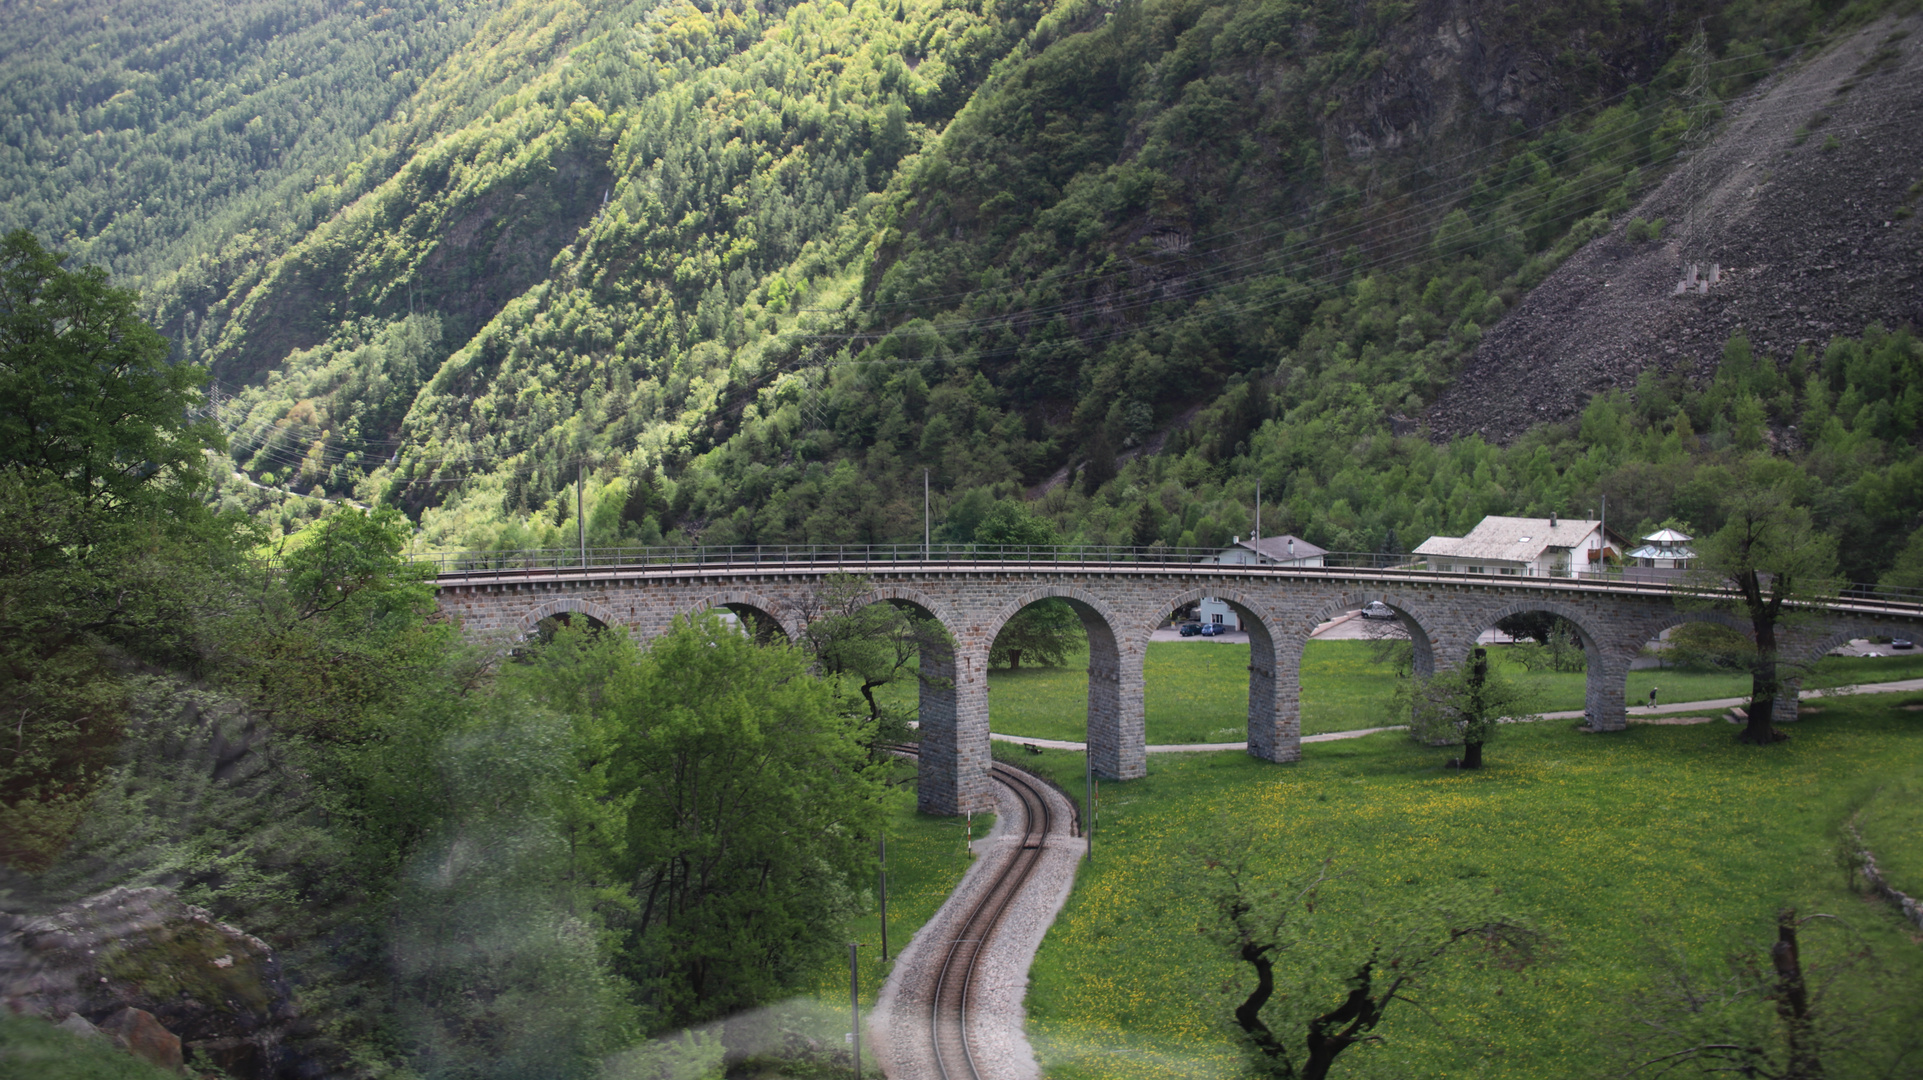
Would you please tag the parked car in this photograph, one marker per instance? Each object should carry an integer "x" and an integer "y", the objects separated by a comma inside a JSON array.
[
  {"x": 1376, "y": 609},
  {"x": 1213, "y": 629},
  {"x": 1189, "y": 629},
  {"x": 1902, "y": 643}
]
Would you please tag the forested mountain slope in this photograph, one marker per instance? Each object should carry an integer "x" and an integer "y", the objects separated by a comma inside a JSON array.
[{"x": 753, "y": 269}]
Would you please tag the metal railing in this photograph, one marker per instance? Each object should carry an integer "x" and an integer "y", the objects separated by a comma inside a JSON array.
[{"x": 872, "y": 557}]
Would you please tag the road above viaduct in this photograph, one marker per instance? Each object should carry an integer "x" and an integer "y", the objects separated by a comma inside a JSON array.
[{"x": 1122, "y": 597}]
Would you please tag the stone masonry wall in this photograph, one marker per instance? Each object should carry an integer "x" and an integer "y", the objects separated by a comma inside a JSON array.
[{"x": 1120, "y": 609}]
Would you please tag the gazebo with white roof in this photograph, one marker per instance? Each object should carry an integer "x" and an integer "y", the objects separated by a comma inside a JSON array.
[{"x": 1665, "y": 548}]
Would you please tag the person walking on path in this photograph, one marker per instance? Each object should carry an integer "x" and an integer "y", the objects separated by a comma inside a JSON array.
[{"x": 1652, "y": 696}]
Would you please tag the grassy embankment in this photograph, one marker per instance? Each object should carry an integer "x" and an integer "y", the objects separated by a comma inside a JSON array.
[
  {"x": 31, "y": 1047},
  {"x": 1197, "y": 691},
  {"x": 1891, "y": 823},
  {"x": 926, "y": 859},
  {"x": 1615, "y": 843}
]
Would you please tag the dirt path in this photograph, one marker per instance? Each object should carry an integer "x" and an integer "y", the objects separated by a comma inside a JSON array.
[{"x": 1636, "y": 713}]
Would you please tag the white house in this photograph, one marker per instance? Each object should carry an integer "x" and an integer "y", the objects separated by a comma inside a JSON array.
[
  {"x": 1284, "y": 550},
  {"x": 1548, "y": 546}
]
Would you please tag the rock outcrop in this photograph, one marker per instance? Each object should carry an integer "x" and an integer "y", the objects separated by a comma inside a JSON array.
[
  {"x": 1798, "y": 217},
  {"x": 159, "y": 975}
]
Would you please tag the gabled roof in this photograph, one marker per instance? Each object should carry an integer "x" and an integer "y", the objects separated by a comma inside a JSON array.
[
  {"x": 1277, "y": 548},
  {"x": 1514, "y": 539}
]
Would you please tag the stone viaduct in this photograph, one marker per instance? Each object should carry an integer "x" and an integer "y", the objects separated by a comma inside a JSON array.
[{"x": 1120, "y": 604}]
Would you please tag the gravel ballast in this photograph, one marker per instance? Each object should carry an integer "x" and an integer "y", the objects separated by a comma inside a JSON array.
[{"x": 899, "y": 1027}]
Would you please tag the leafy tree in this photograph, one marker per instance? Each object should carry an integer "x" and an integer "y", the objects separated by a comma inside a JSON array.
[
  {"x": 1013, "y": 524},
  {"x": 106, "y": 549},
  {"x": 1045, "y": 632},
  {"x": 339, "y": 630},
  {"x": 1467, "y": 703},
  {"x": 755, "y": 807},
  {"x": 1328, "y": 966},
  {"x": 1767, "y": 560},
  {"x": 1789, "y": 1008},
  {"x": 86, "y": 394},
  {"x": 870, "y": 643}
]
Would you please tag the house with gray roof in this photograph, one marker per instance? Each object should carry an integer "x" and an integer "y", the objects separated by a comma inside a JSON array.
[
  {"x": 1530, "y": 547},
  {"x": 1284, "y": 550}
]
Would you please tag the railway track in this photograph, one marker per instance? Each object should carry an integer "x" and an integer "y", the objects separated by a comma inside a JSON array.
[{"x": 947, "y": 1002}]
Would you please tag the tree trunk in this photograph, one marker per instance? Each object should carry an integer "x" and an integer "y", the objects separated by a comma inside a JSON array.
[
  {"x": 1762, "y": 671},
  {"x": 1792, "y": 1002},
  {"x": 1471, "y": 755},
  {"x": 1249, "y": 1013},
  {"x": 1014, "y": 659},
  {"x": 1763, "y": 689}
]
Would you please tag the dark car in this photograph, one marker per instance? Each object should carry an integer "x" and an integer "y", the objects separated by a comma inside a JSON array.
[
  {"x": 1189, "y": 629},
  {"x": 1214, "y": 629},
  {"x": 1902, "y": 643},
  {"x": 1376, "y": 609}
]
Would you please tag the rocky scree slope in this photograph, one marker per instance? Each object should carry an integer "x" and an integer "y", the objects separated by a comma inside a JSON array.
[{"x": 1798, "y": 215}]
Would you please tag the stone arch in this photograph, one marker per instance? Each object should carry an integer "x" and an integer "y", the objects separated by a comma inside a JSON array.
[
  {"x": 752, "y": 605},
  {"x": 1117, "y": 738},
  {"x": 561, "y": 605},
  {"x": 1422, "y": 635},
  {"x": 1645, "y": 630},
  {"x": 907, "y": 594},
  {"x": 1605, "y": 669},
  {"x": 953, "y": 763},
  {"x": 1275, "y": 662}
]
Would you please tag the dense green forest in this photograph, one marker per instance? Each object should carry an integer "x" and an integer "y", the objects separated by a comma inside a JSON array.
[
  {"x": 753, "y": 270},
  {"x": 477, "y": 861}
]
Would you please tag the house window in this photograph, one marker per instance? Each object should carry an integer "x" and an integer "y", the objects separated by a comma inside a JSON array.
[
  {"x": 1478, "y": 569},
  {"x": 1216, "y": 619},
  {"x": 1510, "y": 570}
]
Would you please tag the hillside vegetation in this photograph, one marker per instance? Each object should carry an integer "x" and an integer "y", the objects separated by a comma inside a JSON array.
[{"x": 751, "y": 270}]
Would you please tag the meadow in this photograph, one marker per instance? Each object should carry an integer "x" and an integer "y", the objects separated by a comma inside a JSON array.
[
  {"x": 1622, "y": 846},
  {"x": 1197, "y": 691}
]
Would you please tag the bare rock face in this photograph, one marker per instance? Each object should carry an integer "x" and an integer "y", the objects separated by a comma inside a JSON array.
[
  {"x": 1797, "y": 222},
  {"x": 158, "y": 974},
  {"x": 144, "y": 1038}
]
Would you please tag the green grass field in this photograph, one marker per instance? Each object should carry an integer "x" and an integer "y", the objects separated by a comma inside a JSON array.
[
  {"x": 1612, "y": 841},
  {"x": 1197, "y": 691},
  {"x": 1891, "y": 823}
]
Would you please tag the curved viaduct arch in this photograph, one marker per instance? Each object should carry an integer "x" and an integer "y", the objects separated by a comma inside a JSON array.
[
  {"x": 561, "y": 605},
  {"x": 952, "y": 770},
  {"x": 1275, "y": 662},
  {"x": 1646, "y": 630},
  {"x": 1117, "y": 735},
  {"x": 1422, "y": 630},
  {"x": 1605, "y": 669},
  {"x": 752, "y": 604}
]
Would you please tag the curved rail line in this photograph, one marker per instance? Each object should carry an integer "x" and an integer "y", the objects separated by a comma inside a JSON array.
[{"x": 949, "y": 1001}]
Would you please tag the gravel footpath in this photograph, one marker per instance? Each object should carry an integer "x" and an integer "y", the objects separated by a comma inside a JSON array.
[{"x": 898, "y": 1029}]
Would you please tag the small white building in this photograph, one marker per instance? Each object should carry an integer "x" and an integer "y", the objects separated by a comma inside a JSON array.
[
  {"x": 1666, "y": 549},
  {"x": 1284, "y": 550},
  {"x": 1539, "y": 547}
]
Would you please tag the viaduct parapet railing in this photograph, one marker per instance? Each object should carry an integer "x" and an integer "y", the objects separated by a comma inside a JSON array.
[{"x": 1122, "y": 595}]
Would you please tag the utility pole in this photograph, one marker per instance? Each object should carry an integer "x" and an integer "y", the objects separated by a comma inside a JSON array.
[
  {"x": 1088, "y": 801},
  {"x": 926, "y": 531},
  {"x": 1258, "y": 519},
  {"x": 854, "y": 1004},
  {"x": 882, "y": 844},
  {"x": 580, "y": 497}
]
